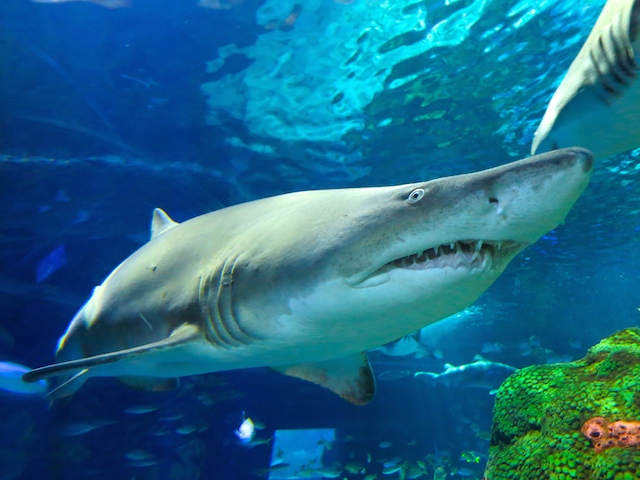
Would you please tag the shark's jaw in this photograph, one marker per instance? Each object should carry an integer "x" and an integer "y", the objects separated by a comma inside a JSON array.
[
  {"x": 469, "y": 254},
  {"x": 463, "y": 256}
]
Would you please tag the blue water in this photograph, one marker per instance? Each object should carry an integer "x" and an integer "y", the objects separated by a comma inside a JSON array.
[{"x": 106, "y": 114}]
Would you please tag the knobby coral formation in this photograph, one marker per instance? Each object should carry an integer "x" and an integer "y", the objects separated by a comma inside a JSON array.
[
  {"x": 540, "y": 413},
  {"x": 603, "y": 434}
]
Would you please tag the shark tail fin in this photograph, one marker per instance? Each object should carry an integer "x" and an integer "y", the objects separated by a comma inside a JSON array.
[{"x": 350, "y": 377}]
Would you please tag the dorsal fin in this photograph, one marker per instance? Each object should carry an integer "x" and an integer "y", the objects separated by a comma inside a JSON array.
[{"x": 161, "y": 222}]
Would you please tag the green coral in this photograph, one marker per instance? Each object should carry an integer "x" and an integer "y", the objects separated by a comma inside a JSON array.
[{"x": 540, "y": 410}]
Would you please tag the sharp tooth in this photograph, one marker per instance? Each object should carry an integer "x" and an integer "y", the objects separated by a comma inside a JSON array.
[
  {"x": 499, "y": 245},
  {"x": 478, "y": 245},
  {"x": 452, "y": 246},
  {"x": 458, "y": 247}
]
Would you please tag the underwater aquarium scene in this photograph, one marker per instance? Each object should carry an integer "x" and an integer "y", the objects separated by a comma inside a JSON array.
[{"x": 311, "y": 239}]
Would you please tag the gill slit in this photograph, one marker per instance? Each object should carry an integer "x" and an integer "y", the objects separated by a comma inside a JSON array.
[
  {"x": 220, "y": 323},
  {"x": 612, "y": 58}
]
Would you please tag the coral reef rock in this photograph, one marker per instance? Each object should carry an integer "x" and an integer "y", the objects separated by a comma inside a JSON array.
[{"x": 547, "y": 418}]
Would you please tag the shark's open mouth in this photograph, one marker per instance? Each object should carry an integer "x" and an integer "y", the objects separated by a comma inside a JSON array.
[{"x": 466, "y": 253}]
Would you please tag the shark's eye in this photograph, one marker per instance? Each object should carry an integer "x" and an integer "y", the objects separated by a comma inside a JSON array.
[{"x": 415, "y": 196}]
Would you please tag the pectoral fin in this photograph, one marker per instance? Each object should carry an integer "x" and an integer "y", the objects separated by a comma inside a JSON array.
[
  {"x": 69, "y": 386},
  {"x": 350, "y": 377},
  {"x": 183, "y": 334}
]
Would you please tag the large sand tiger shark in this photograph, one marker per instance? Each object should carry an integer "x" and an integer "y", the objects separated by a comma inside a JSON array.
[
  {"x": 305, "y": 282},
  {"x": 597, "y": 104}
]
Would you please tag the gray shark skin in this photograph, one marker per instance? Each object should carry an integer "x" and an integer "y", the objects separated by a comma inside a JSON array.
[
  {"x": 482, "y": 373},
  {"x": 305, "y": 282},
  {"x": 597, "y": 104}
]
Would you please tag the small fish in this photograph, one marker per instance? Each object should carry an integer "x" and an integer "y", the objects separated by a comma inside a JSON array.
[
  {"x": 143, "y": 463},
  {"x": 140, "y": 409},
  {"x": 171, "y": 418},
  {"x": 575, "y": 343},
  {"x": 206, "y": 400},
  {"x": 11, "y": 380},
  {"x": 80, "y": 428},
  {"x": 62, "y": 197},
  {"x": 258, "y": 425},
  {"x": 394, "y": 374},
  {"x": 255, "y": 441},
  {"x": 491, "y": 347},
  {"x": 371, "y": 476},
  {"x": 385, "y": 444},
  {"x": 49, "y": 264},
  {"x": 246, "y": 431},
  {"x": 7, "y": 338},
  {"x": 415, "y": 471},
  {"x": 327, "y": 472},
  {"x": 81, "y": 216},
  {"x": 391, "y": 469},
  {"x": 408, "y": 345},
  {"x": 464, "y": 472},
  {"x": 470, "y": 457},
  {"x": 328, "y": 445},
  {"x": 186, "y": 429},
  {"x": 439, "y": 474},
  {"x": 138, "y": 455},
  {"x": 437, "y": 354},
  {"x": 355, "y": 467},
  {"x": 219, "y": 4},
  {"x": 534, "y": 341},
  {"x": 103, "y": 3}
]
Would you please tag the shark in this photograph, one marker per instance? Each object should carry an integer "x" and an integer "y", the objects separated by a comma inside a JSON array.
[
  {"x": 597, "y": 104},
  {"x": 481, "y": 373},
  {"x": 305, "y": 282}
]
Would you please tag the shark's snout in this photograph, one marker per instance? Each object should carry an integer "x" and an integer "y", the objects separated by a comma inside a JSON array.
[
  {"x": 537, "y": 193},
  {"x": 476, "y": 223},
  {"x": 568, "y": 157}
]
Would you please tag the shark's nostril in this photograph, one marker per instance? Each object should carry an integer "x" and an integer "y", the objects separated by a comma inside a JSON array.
[{"x": 493, "y": 200}]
